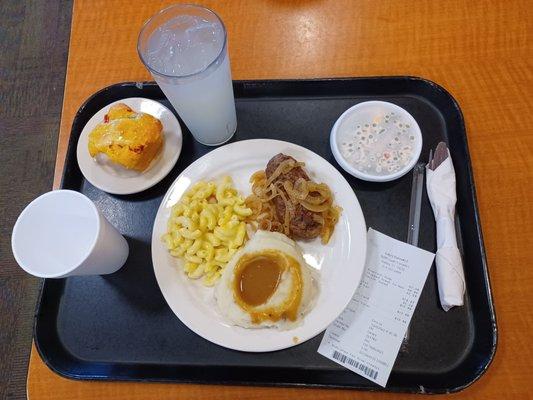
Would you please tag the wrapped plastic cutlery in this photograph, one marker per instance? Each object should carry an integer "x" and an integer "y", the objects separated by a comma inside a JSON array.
[{"x": 440, "y": 182}]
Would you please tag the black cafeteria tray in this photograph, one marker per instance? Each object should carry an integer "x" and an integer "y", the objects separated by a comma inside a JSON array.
[{"x": 118, "y": 327}]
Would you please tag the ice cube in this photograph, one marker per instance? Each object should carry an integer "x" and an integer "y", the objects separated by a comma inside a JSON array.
[{"x": 184, "y": 45}]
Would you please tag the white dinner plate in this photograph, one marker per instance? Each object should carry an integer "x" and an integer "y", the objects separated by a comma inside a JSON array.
[
  {"x": 339, "y": 264},
  {"x": 115, "y": 179}
]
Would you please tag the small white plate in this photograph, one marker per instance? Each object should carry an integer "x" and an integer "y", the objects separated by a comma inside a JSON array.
[
  {"x": 115, "y": 179},
  {"x": 339, "y": 264}
]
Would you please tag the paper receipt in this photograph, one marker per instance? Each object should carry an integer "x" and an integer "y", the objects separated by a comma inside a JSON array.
[{"x": 367, "y": 336}]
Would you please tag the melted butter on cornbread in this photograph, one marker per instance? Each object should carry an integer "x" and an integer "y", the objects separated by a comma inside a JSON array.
[{"x": 128, "y": 138}]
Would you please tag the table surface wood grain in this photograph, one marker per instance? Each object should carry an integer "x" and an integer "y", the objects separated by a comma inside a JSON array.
[{"x": 478, "y": 50}]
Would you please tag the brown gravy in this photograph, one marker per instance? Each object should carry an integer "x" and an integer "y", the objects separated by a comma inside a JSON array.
[{"x": 258, "y": 277}]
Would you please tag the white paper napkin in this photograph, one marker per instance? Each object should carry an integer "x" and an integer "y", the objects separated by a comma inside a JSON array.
[{"x": 442, "y": 196}]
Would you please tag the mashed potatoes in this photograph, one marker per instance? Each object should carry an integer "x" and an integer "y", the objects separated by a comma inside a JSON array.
[
  {"x": 266, "y": 284},
  {"x": 206, "y": 228}
]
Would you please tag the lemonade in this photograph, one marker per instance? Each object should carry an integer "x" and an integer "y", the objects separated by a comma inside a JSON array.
[{"x": 185, "y": 49}]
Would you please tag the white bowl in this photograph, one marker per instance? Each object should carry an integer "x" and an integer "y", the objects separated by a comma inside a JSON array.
[{"x": 375, "y": 109}]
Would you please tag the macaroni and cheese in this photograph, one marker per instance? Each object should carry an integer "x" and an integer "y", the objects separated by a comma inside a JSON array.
[{"x": 206, "y": 227}]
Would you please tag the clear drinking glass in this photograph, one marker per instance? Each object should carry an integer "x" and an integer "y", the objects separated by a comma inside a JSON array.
[{"x": 185, "y": 48}]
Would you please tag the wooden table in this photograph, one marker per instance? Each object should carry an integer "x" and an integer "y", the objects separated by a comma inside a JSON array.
[{"x": 478, "y": 50}]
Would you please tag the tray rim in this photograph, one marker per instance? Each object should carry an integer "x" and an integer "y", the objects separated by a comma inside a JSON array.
[{"x": 472, "y": 193}]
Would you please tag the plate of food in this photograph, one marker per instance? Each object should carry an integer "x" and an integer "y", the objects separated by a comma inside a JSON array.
[
  {"x": 259, "y": 245},
  {"x": 129, "y": 145}
]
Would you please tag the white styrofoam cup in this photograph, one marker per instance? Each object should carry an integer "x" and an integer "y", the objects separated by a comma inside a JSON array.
[{"x": 61, "y": 233}]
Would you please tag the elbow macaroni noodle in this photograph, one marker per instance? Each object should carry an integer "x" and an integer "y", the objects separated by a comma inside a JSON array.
[{"x": 206, "y": 227}]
